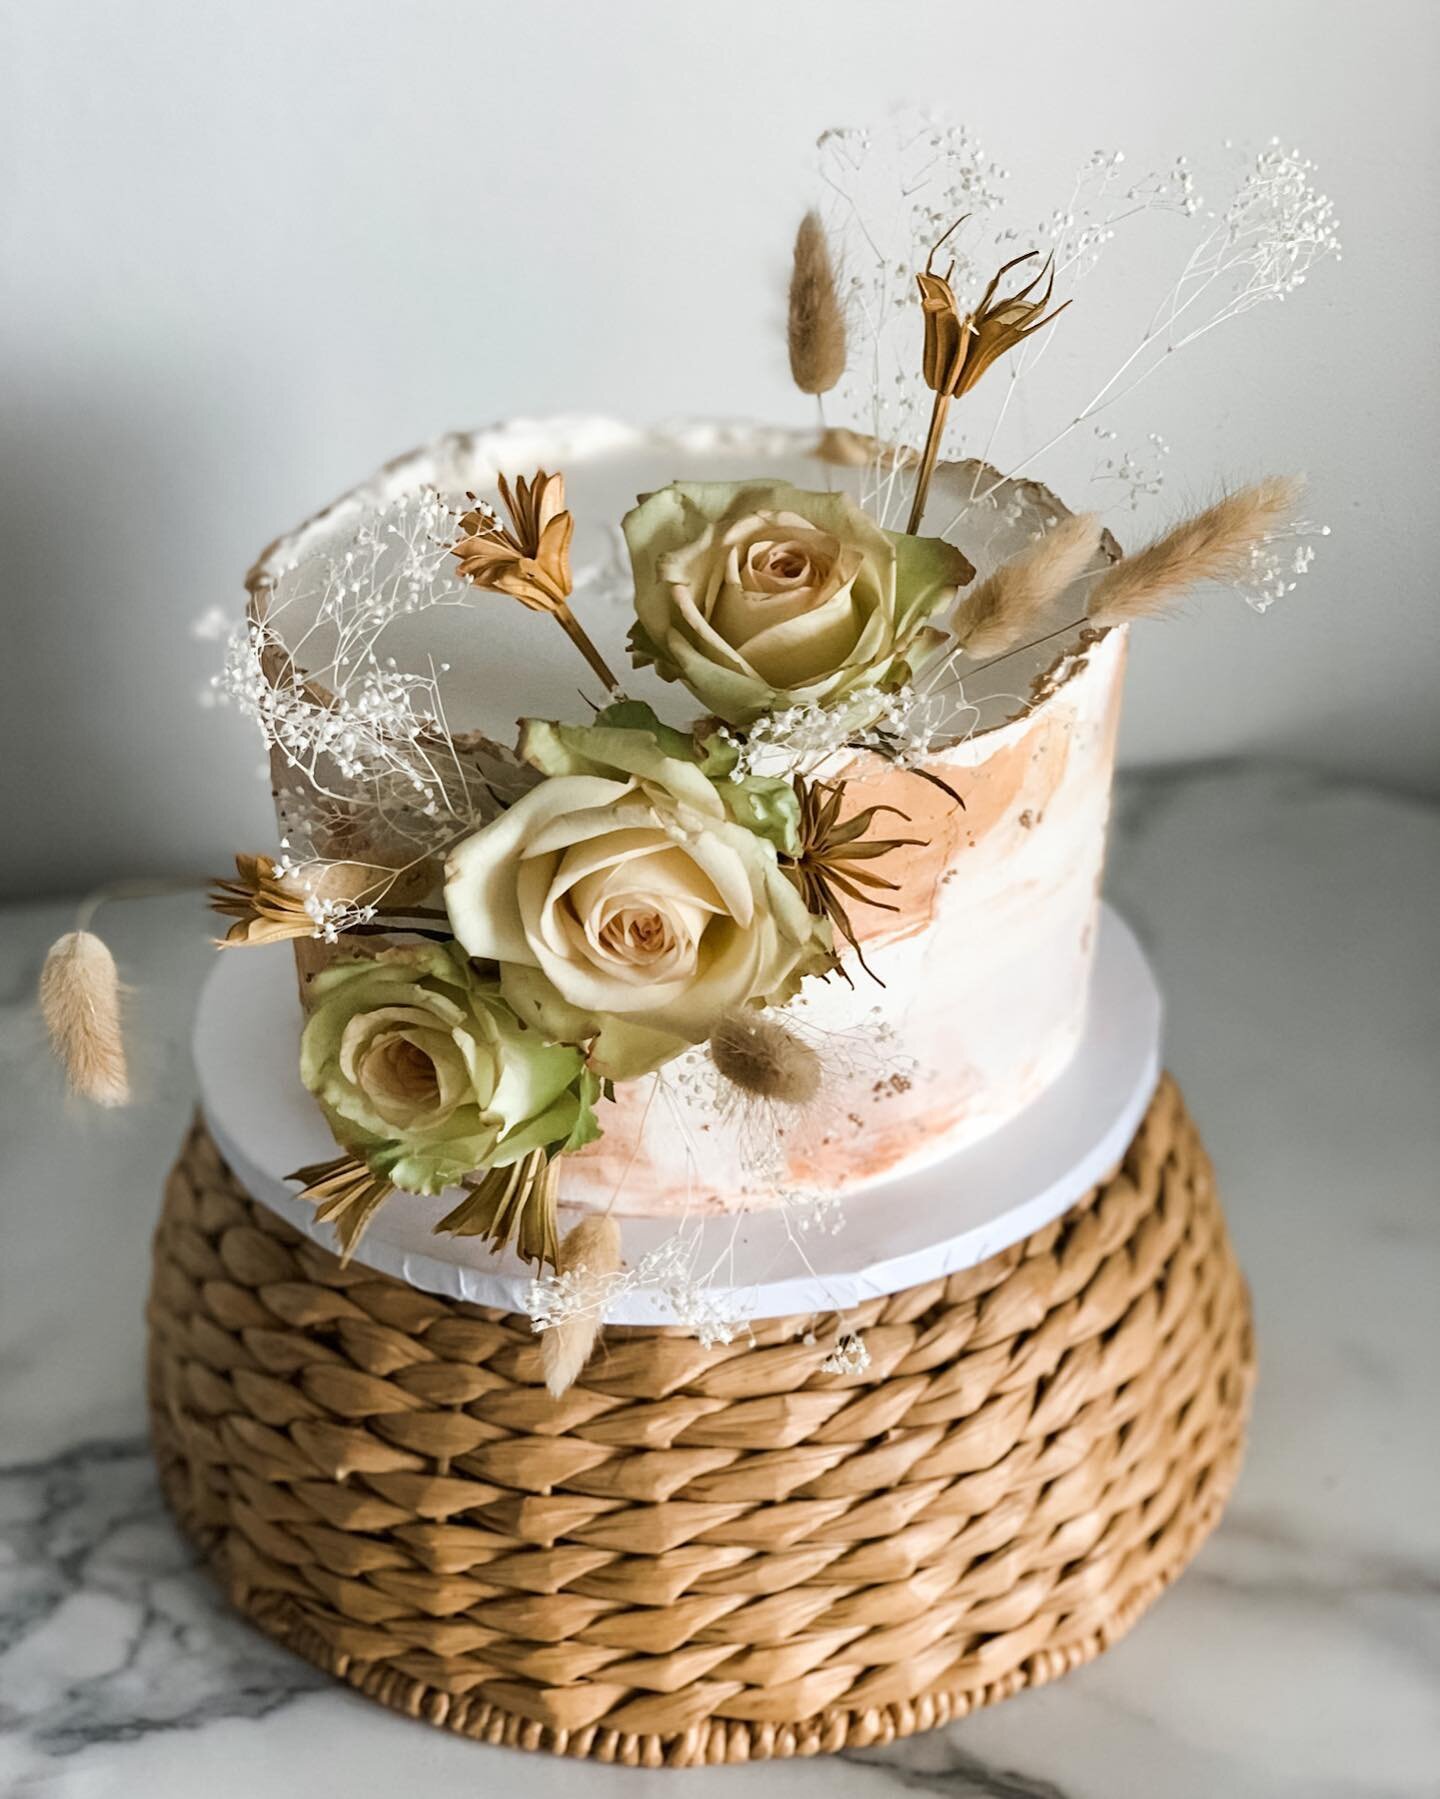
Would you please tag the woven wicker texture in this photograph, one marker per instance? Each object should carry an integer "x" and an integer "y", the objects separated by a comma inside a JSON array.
[{"x": 705, "y": 1555}]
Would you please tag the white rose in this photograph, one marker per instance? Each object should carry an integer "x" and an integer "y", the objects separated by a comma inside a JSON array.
[
  {"x": 761, "y": 596},
  {"x": 623, "y": 901}
]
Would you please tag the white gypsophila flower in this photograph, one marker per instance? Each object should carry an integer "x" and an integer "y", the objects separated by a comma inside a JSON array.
[
  {"x": 1278, "y": 564},
  {"x": 849, "y": 1356},
  {"x": 366, "y": 741}
]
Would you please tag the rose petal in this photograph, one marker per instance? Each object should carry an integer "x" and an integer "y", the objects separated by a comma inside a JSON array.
[{"x": 479, "y": 883}]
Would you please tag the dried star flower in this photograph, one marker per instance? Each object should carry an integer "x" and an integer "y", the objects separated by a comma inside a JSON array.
[
  {"x": 529, "y": 559},
  {"x": 826, "y": 870},
  {"x": 959, "y": 348},
  {"x": 516, "y": 1202},
  {"x": 266, "y": 906}
]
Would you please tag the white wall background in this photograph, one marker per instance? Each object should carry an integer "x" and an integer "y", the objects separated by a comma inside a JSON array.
[{"x": 250, "y": 249}]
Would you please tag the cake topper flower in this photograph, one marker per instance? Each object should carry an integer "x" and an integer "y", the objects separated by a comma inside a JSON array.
[
  {"x": 760, "y": 596},
  {"x": 529, "y": 558},
  {"x": 960, "y": 346},
  {"x": 427, "y": 1076},
  {"x": 627, "y": 906}
]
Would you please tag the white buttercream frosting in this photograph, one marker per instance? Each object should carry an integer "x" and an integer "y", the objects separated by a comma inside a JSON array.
[{"x": 985, "y": 967}]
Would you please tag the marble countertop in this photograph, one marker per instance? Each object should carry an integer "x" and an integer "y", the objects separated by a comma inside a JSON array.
[{"x": 1293, "y": 923}]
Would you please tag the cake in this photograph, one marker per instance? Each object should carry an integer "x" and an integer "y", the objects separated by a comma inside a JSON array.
[{"x": 975, "y": 994}]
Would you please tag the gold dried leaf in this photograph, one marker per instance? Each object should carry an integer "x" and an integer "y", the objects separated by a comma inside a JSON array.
[
  {"x": 517, "y": 1203},
  {"x": 345, "y": 1193}
]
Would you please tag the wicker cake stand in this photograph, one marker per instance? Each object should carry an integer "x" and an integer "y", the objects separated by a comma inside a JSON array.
[{"x": 705, "y": 1555}]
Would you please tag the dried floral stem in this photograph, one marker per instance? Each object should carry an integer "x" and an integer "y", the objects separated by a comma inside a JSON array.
[
  {"x": 529, "y": 559},
  {"x": 516, "y": 1203},
  {"x": 938, "y": 414},
  {"x": 345, "y": 1193},
  {"x": 826, "y": 871},
  {"x": 577, "y": 634}
]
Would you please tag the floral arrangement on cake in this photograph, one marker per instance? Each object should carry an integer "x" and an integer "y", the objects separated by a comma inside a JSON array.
[{"x": 492, "y": 937}]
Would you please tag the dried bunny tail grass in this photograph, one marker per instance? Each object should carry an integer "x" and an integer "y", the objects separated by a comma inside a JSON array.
[
  {"x": 80, "y": 1000},
  {"x": 816, "y": 333},
  {"x": 762, "y": 1058},
  {"x": 593, "y": 1247},
  {"x": 1214, "y": 545},
  {"x": 1012, "y": 602}
]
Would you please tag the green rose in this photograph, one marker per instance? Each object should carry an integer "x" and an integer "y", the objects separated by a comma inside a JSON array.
[
  {"x": 760, "y": 596},
  {"x": 630, "y": 899},
  {"x": 423, "y": 1070}
]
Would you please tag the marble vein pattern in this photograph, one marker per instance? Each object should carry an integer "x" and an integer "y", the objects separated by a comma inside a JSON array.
[{"x": 1293, "y": 924}]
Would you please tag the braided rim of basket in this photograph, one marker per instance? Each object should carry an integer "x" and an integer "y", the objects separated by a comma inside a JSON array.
[{"x": 706, "y": 1555}]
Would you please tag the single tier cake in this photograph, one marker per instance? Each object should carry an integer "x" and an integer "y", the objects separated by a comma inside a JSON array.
[{"x": 976, "y": 961}]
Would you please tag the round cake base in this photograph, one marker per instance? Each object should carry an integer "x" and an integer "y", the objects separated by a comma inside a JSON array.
[{"x": 716, "y": 1554}]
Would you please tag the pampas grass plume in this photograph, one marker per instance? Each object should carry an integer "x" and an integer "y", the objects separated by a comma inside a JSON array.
[
  {"x": 594, "y": 1245},
  {"x": 80, "y": 1000},
  {"x": 816, "y": 333},
  {"x": 1214, "y": 545},
  {"x": 1012, "y": 603}
]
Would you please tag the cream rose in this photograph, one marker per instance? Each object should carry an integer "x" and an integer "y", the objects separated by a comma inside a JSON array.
[
  {"x": 762, "y": 596},
  {"x": 626, "y": 904},
  {"x": 423, "y": 1070}
]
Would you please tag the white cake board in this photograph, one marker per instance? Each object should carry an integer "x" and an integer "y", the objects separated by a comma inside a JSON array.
[{"x": 895, "y": 1235}]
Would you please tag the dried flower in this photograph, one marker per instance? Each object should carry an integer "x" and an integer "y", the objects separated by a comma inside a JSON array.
[
  {"x": 816, "y": 329},
  {"x": 762, "y": 1058},
  {"x": 265, "y": 903},
  {"x": 959, "y": 348},
  {"x": 825, "y": 870},
  {"x": 516, "y": 1202},
  {"x": 80, "y": 1001},
  {"x": 591, "y": 1254},
  {"x": 346, "y": 1193},
  {"x": 849, "y": 1356},
  {"x": 1217, "y": 544},
  {"x": 1016, "y": 598},
  {"x": 530, "y": 558}
]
